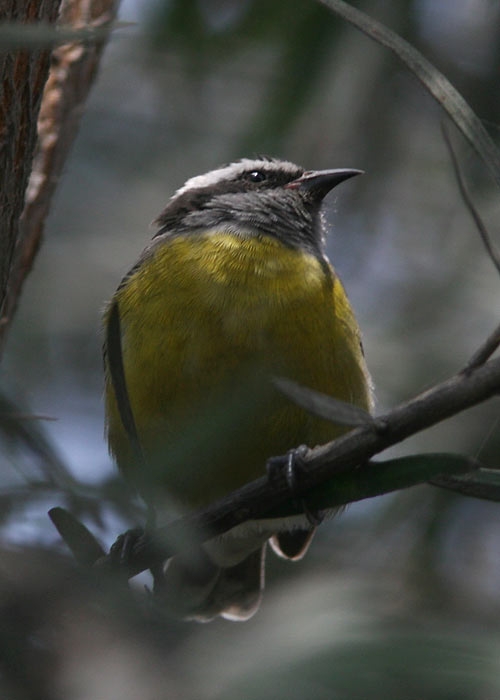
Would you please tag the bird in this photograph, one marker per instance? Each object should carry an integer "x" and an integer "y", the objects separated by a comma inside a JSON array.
[{"x": 234, "y": 290}]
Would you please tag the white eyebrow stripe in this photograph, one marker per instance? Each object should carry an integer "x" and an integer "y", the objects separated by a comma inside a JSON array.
[{"x": 232, "y": 171}]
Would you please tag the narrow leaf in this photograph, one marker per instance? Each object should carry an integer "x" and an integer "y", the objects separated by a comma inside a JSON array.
[
  {"x": 82, "y": 543},
  {"x": 322, "y": 405},
  {"x": 435, "y": 82},
  {"x": 484, "y": 483}
]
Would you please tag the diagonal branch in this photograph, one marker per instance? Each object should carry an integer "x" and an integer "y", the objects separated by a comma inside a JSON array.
[
  {"x": 484, "y": 352},
  {"x": 261, "y": 499}
]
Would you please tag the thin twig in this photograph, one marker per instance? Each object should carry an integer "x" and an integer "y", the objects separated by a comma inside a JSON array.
[
  {"x": 491, "y": 343},
  {"x": 493, "y": 253},
  {"x": 484, "y": 352}
]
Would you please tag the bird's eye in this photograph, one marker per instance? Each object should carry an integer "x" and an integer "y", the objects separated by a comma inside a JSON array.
[{"x": 256, "y": 176}]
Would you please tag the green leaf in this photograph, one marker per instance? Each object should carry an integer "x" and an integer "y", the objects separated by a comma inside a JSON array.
[
  {"x": 484, "y": 483},
  {"x": 322, "y": 405},
  {"x": 84, "y": 546}
]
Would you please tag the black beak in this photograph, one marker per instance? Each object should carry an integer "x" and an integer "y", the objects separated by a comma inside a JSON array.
[{"x": 317, "y": 183}]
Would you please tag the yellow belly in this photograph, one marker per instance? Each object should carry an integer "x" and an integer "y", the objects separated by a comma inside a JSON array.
[{"x": 207, "y": 320}]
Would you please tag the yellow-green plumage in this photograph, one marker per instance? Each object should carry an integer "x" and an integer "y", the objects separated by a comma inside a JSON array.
[
  {"x": 207, "y": 320},
  {"x": 234, "y": 292}
]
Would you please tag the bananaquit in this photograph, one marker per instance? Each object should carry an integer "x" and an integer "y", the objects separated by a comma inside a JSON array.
[{"x": 234, "y": 290}]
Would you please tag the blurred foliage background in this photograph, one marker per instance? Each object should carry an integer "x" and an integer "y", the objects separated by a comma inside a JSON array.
[{"x": 400, "y": 596}]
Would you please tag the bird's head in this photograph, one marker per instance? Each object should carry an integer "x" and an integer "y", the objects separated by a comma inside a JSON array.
[{"x": 253, "y": 197}]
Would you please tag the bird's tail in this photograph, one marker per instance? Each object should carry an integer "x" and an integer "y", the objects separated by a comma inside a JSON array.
[{"x": 203, "y": 592}]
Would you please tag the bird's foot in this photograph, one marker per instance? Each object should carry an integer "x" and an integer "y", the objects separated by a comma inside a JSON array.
[{"x": 291, "y": 465}]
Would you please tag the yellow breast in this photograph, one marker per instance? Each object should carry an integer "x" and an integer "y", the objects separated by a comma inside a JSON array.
[{"x": 207, "y": 320}]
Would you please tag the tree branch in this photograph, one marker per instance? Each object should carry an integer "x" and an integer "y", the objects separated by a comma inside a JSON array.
[
  {"x": 484, "y": 352},
  {"x": 74, "y": 67},
  {"x": 331, "y": 462},
  {"x": 23, "y": 75}
]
